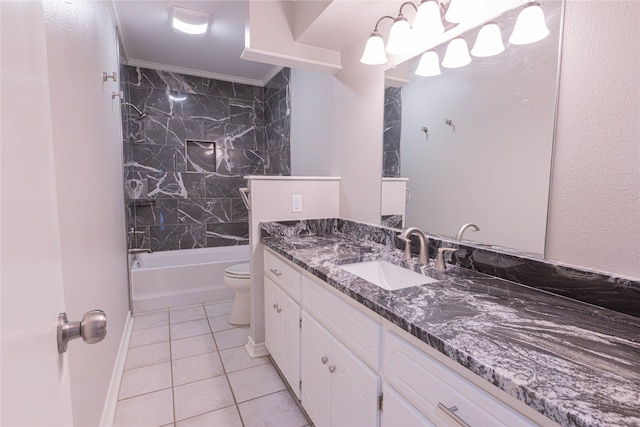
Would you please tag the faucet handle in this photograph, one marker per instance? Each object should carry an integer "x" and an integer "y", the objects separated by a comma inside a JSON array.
[
  {"x": 407, "y": 247},
  {"x": 440, "y": 264}
]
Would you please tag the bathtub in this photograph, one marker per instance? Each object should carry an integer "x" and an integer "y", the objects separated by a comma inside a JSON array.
[{"x": 182, "y": 277}]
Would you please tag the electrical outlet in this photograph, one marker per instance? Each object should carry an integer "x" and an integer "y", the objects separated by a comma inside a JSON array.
[{"x": 296, "y": 203}]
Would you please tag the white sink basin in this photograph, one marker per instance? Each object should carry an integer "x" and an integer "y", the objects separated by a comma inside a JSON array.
[{"x": 386, "y": 275}]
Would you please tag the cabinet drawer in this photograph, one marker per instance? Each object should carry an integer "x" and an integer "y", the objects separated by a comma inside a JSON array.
[
  {"x": 360, "y": 333},
  {"x": 425, "y": 383},
  {"x": 285, "y": 276}
]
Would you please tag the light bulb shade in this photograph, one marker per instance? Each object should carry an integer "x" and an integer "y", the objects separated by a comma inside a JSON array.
[
  {"x": 428, "y": 21},
  {"x": 400, "y": 40},
  {"x": 489, "y": 41},
  {"x": 429, "y": 65},
  {"x": 457, "y": 54},
  {"x": 530, "y": 26},
  {"x": 465, "y": 10},
  {"x": 374, "y": 50}
]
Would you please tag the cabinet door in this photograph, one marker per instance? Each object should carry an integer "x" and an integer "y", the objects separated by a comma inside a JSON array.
[
  {"x": 397, "y": 412},
  {"x": 289, "y": 330},
  {"x": 271, "y": 318},
  {"x": 354, "y": 389},
  {"x": 316, "y": 379}
]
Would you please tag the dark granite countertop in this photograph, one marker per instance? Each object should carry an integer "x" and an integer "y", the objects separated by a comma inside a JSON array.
[{"x": 577, "y": 364}]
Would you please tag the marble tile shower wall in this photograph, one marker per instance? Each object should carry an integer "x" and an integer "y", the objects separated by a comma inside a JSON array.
[
  {"x": 185, "y": 161},
  {"x": 391, "y": 135}
]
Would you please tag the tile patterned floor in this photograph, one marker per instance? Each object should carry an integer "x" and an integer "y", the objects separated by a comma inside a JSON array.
[{"x": 188, "y": 367}]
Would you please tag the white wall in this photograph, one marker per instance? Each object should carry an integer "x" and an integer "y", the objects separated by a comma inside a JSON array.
[
  {"x": 271, "y": 201},
  {"x": 87, "y": 145},
  {"x": 595, "y": 192}
]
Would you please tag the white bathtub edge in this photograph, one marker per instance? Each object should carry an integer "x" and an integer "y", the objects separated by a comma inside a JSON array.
[
  {"x": 196, "y": 296},
  {"x": 111, "y": 401}
]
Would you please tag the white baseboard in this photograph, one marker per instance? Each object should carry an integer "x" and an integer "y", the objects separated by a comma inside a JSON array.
[
  {"x": 255, "y": 350},
  {"x": 109, "y": 411}
]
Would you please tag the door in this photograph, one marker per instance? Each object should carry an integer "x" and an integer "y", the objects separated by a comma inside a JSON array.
[
  {"x": 289, "y": 319},
  {"x": 354, "y": 390},
  {"x": 35, "y": 378},
  {"x": 316, "y": 379},
  {"x": 397, "y": 412},
  {"x": 271, "y": 337}
]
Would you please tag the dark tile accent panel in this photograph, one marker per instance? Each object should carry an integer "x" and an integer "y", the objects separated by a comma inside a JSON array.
[
  {"x": 228, "y": 234},
  {"x": 239, "y": 211},
  {"x": 191, "y": 186},
  {"x": 392, "y": 132},
  {"x": 170, "y": 237},
  {"x": 204, "y": 211},
  {"x": 200, "y": 156},
  {"x": 392, "y": 221},
  {"x": 161, "y": 212}
]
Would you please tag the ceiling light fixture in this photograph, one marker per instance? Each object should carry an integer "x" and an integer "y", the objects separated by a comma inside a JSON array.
[
  {"x": 429, "y": 65},
  {"x": 457, "y": 54},
  {"x": 193, "y": 22},
  {"x": 530, "y": 25},
  {"x": 489, "y": 41}
]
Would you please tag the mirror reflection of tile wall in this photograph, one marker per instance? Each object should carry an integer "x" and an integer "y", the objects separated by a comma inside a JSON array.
[
  {"x": 391, "y": 134},
  {"x": 185, "y": 161}
]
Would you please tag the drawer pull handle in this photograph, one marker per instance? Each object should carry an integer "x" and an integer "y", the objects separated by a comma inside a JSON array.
[
  {"x": 275, "y": 272},
  {"x": 332, "y": 369},
  {"x": 324, "y": 360},
  {"x": 451, "y": 413},
  {"x": 278, "y": 310},
  {"x": 275, "y": 306}
]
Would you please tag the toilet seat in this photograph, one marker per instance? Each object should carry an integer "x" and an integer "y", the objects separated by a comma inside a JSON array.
[{"x": 238, "y": 271}]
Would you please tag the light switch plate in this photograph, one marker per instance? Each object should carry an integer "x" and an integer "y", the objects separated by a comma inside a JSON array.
[{"x": 296, "y": 203}]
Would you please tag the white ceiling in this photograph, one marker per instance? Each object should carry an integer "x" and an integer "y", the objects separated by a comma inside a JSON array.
[{"x": 148, "y": 40}]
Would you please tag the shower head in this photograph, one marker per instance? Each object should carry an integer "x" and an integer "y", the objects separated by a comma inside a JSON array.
[{"x": 141, "y": 115}]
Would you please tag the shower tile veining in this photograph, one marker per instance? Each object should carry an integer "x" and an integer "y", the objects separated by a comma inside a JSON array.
[{"x": 187, "y": 366}]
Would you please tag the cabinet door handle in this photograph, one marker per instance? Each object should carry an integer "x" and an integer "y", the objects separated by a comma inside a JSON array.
[
  {"x": 278, "y": 310},
  {"x": 275, "y": 306},
  {"x": 275, "y": 272},
  {"x": 324, "y": 360},
  {"x": 332, "y": 369},
  {"x": 451, "y": 414}
]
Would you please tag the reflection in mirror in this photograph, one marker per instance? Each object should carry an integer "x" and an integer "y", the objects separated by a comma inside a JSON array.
[{"x": 476, "y": 142}]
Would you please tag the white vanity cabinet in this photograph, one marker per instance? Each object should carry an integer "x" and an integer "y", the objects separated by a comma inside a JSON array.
[
  {"x": 338, "y": 389},
  {"x": 282, "y": 318},
  {"x": 443, "y": 396},
  {"x": 347, "y": 364}
]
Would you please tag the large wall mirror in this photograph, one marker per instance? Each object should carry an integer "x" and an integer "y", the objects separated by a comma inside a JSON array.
[{"x": 476, "y": 142}]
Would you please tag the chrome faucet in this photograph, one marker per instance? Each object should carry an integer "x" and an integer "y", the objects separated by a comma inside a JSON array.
[
  {"x": 423, "y": 255},
  {"x": 463, "y": 229}
]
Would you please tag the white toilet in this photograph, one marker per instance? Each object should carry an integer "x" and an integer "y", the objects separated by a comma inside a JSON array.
[{"x": 238, "y": 278}]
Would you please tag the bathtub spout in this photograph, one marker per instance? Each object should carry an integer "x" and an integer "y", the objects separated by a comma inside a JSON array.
[{"x": 138, "y": 250}]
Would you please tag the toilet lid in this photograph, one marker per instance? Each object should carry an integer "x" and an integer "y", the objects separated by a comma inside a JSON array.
[{"x": 238, "y": 271}]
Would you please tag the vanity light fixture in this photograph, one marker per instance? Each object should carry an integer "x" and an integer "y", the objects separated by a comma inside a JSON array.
[
  {"x": 193, "y": 22},
  {"x": 428, "y": 20},
  {"x": 429, "y": 65},
  {"x": 374, "y": 53},
  {"x": 489, "y": 41},
  {"x": 530, "y": 25},
  {"x": 400, "y": 37},
  {"x": 457, "y": 54},
  {"x": 465, "y": 10}
]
